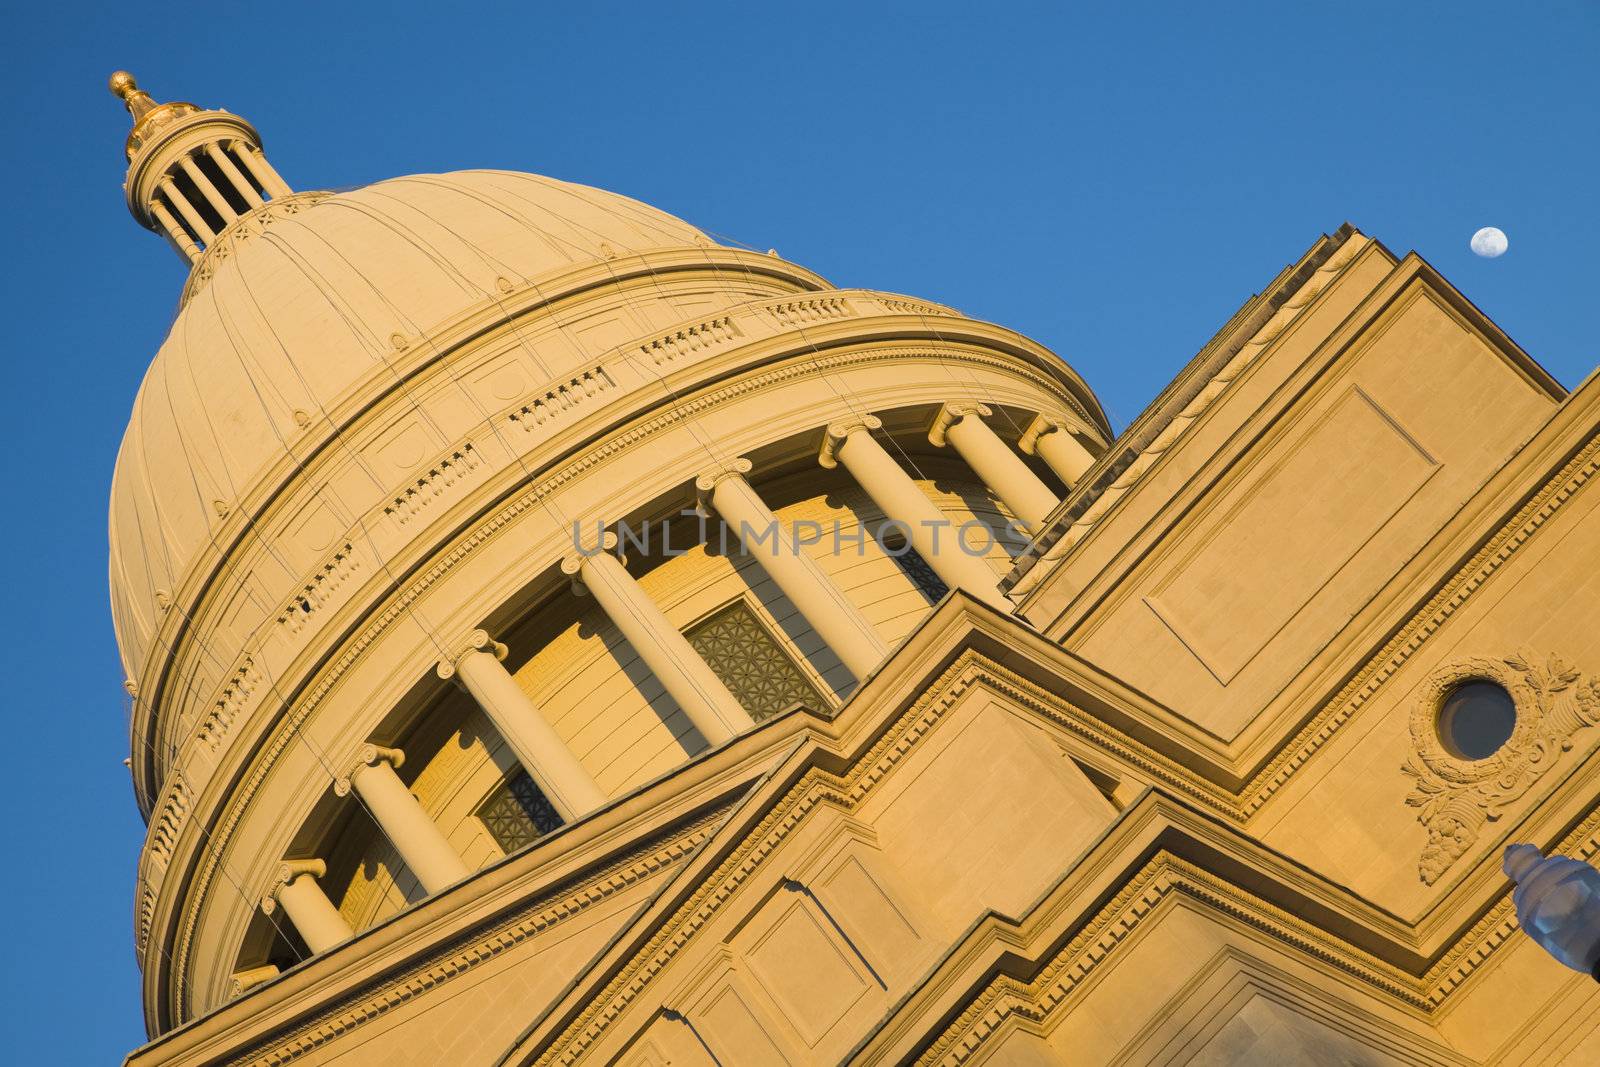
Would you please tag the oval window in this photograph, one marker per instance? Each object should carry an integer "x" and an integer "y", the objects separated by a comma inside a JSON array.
[{"x": 1476, "y": 719}]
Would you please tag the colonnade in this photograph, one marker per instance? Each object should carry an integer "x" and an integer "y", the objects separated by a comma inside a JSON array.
[
  {"x": 224, "y": 200},
  {"x": 596, "y": 570}
]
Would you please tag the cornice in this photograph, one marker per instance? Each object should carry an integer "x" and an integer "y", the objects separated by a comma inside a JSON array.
[
  {"x": 353, "y": 1004},
  {"x": 456, "y": 960},
  {"x": 1157, "y": 887},
  {"x": 1035, "y": 993},
  {"x": 1186, "y": 401}
]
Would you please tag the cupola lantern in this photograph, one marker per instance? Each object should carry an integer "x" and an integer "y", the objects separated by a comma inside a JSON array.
[{"x": 191, "y": 172}]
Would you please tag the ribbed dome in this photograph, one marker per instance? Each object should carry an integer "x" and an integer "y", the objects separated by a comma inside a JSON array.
[{"x": 295, "y": 304}]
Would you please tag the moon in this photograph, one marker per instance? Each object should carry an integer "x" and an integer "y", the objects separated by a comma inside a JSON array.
[{"x": 1490, "y": 242}]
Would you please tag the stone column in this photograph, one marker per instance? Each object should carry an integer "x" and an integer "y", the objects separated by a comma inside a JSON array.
[
  {"x": 261, "y": 170},
  {"x": 308, "y": 907},
  {"x": 897, "y": 496},
  {"x": 177, "y": 234},
  {"x": 1053, "y": 442},
  {"x": 961, "y": 425},
  {"x": 715, "y": 712},
  {"x": 399, "y": 814},
  {"x": 540, "y": 750},
  {"x": 170, "y": 191},
  {"x": 239, "y": 181},
  {"x": 208, "y": 190},
  {"x": 836, "y": 620}
]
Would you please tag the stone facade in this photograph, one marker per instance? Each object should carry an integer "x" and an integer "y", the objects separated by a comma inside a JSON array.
[{"x": 477, "y": 722}]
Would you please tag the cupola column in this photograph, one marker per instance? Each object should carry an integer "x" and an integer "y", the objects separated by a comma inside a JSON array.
[
  {"x": 540, "y": 750},
  {"x": 187, "y": 168},
  {"x": 315, "y": 918},
  {"x": 245, "y": 187},
  {"x": 1053, "y": 442},
  {"x": 686, "y": 677},
  {"x": 213, "y": 196},
  {"x": 170, "y": 192},
  {"x": 175, "y": 233},
  {"x": 836, "y": 620},
  {"x": 426, "y": 851},
  {"x": 256, "y": 163},
  {"x": 961, "y": 425},
  {"x": 932, "y": 534}
]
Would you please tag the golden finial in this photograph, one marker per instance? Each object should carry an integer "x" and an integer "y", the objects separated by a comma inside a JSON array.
[
  {"x": 124, "y": 88},
  {"x": 149, "y": 117}
]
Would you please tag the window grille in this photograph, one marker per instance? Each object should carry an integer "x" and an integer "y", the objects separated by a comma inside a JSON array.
[
  {"x": 743, "y": 653},
  {"x": 922, "y": 576},
  {"x": 517, "y": 813}
]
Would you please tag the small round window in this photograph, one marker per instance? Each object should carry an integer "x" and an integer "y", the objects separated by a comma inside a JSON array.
[{"x": 1475, "y": 719}]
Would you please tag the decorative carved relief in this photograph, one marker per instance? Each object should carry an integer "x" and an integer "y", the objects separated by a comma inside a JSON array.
[
  {"x": 232, "y": 696},
  {"x": 911, "y": 307},
  {"x": 435, "y": 480},
  {"x": 164, "y": 830},
  {"x": 1458, "y": 797},
  {"x": 813, "y": 309},
  {"x": 147, "y": 915},
  {"x": 169, "y": 820},
  {"x": 681, "y": 342},
  {"x": 314, "y": 594},
  {"x": 562, "y": 397}
]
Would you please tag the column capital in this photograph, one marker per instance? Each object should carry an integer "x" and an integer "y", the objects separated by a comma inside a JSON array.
[
  {"x": 572, "y": 565},
  {"x": 707, "y": 483},
  {"x": 476, "y": 641},
  {"x": 366, "y": 756},
  {"x": 287, "y": 872},
  {"x": 733, "y": 468},
  {"x": 1041, "y": 425},
  {"x": 834, "y": 437},
  {"x": 952, "y": 412}
]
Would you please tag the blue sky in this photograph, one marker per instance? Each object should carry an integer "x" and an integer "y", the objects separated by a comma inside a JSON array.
[{"x": 1113, "y": 183}]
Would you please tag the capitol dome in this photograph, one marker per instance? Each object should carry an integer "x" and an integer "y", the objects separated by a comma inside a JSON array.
[
  {"x": 358, "y": 514},
  {"x": 296, "y": 303}
]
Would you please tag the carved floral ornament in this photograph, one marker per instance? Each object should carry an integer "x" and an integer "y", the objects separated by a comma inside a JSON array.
[{"x": 1458, "y": 797}]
